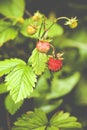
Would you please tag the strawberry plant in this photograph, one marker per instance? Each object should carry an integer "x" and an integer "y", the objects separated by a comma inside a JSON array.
[{"x": 37, "y": 77}]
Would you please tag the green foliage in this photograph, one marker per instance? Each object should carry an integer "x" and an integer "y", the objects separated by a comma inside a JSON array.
[
  {"x": 43, "y": 89},
  {"x": 49, "y": 106},
  {"x": 61, "y": 87},
  {"x": 8, "y": 64},
  {"x": 12, "y": 8},
  {"x": 4, "y": 25},
  {"x": 38, "y": 61},
  {"x": 3, "y": 88},
  {"x": 64, "y": 120},
  {"x": 50, "y": 88},
  {"x": 7, "y": 32},
  {"x": 81, "y": 93},
  {"x": 55, "y": 30},
  {"x": 77, "y": 40},
  {"x": 28, "y": 22},
  {"x": 11, "y": 106},
  {"x": 38, "y": 120},
  {"x": 20, "y": 82},
  {"x": 20, "y": 79},
  {"x": 32, "y": 120}
]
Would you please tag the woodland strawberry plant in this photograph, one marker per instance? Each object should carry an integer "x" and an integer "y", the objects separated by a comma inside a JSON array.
[{"x": 38, "y": 77}]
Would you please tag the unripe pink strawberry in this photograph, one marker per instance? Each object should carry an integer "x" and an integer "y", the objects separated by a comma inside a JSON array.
[
  {"x": 43, "y": 46},
  {"x": 54, "y": 64}
]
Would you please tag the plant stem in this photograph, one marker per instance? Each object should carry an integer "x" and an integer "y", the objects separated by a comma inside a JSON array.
[
  {"x": 28, "y": 13},
  {"x": 40, "y": 29},
  {"x": 53, "y": 52},
  {"x": 60, "y": 18},
  {"x": 47, "y": 29},
  {"x": 8, "y": 121}
]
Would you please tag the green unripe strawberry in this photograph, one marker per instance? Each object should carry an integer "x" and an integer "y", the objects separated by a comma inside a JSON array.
[{"x": 31, "y": 30}]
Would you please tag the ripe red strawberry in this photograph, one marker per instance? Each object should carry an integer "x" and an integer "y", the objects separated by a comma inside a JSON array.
[
  {"x": 54, "y": 64},
  {"x": 43, "y": 46}
]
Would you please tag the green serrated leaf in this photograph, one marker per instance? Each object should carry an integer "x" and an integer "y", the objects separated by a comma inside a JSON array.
[
  {"x": 52, "y": 128},
  {"x": 12, "y": 8},
  {"x": 64, "y": 120},
  {"x": 20, "y": 82},
  {"x": 7, "y": 65},
  {"x": 18, "y": 128},
  {"x": 40, "y": 128},
  {"x": 70, "y": 125},
  {"x": 3, "y": 88},
  {"x": 7, "y": 34},
  {"x": 11, "y": 106},
  {"x": 61, "y": 87},
  {"x": 36, "y": 120},
  {"x": 38, "y": 61}
]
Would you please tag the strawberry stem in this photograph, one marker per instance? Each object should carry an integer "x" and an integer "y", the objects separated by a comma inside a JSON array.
[
  {"x": 53, "y": 51},
  {"x": 40, "y": 30},
  {"x": 47, "y": 30},
  {"x": 60, "y": 18},
  {"x": 42, "y": 25}
]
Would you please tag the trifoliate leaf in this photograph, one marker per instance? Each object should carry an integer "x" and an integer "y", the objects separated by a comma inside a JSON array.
[
  {"x": 63, "y": 120},
  {"x": 38, "y": 61},
  {"x": 20, "y": 82},
  {"x": 12, "y": 8},
  {"x": 36, "y": 120},
  {"x": 3, "y": 88},
  {"x": 11, "y": 106},
  {"x": 7, "y": 65},
  {"x": 61, "y": 87}
]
